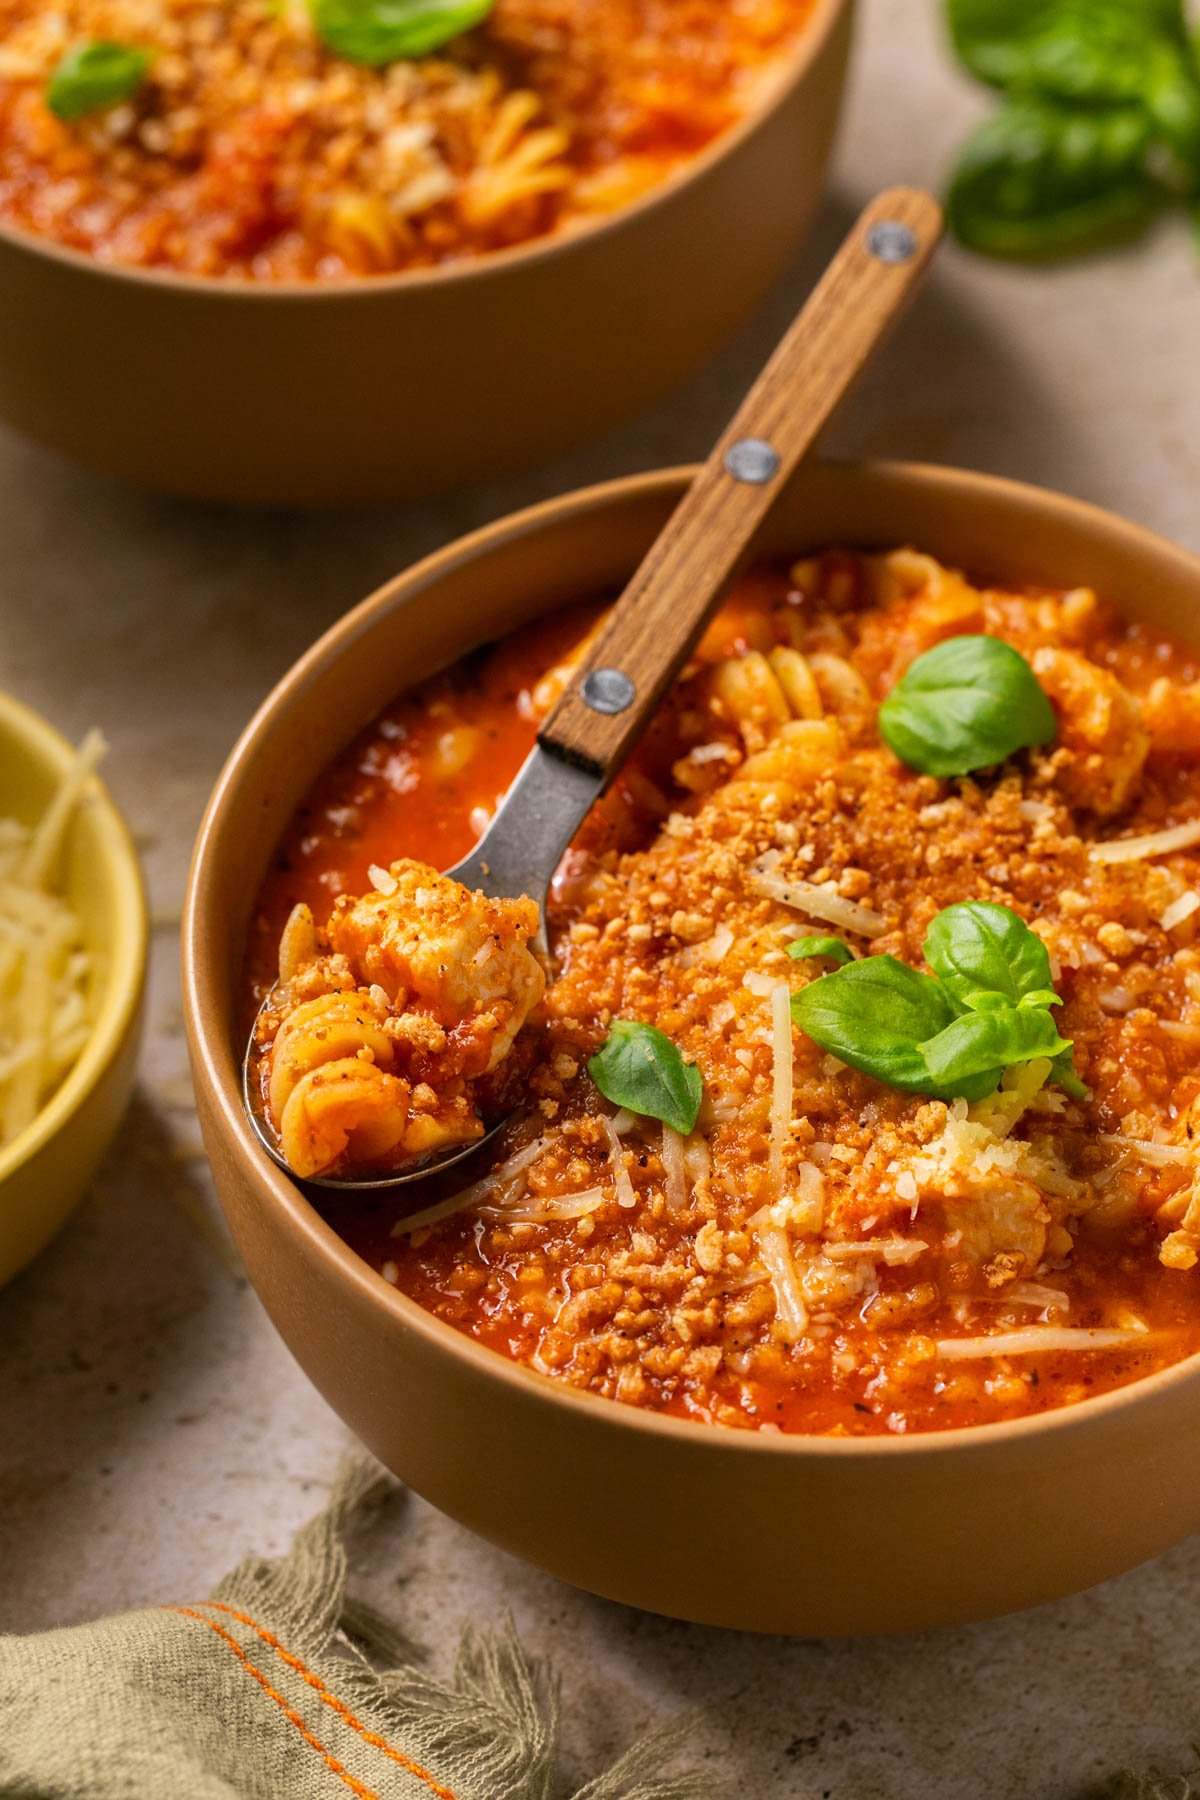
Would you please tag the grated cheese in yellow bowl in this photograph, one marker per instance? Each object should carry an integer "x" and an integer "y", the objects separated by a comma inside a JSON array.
[{"x": 47, "y": 973}]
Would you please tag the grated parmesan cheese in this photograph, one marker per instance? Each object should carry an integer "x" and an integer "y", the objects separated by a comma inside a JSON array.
[
  {"x": 543, "y": 1209},
  {"x": 1032, "y": 1293},
  {"x": 1154, "y": 843},
  {"x": 674, "y": 1173},
  {"x": 718, "y": 945},
  {"x": 714, "y": 752},
  {"x": 616, "y": 1157},
  {"x": 895, "y": 1251},
  {"x": 46, "y": 972},
  {"x": 781, "y": 1079},
  {"x": 1157, "y": 1155},
  {"x": 791, "y": 1310},
  {"x": 758, "y": 983},
  {"x": 1180, "y": 909},
  {"x": 503, "y": 1176},
  {"x": 819, "y": 901},
  {"x": 1028, "y": 1340}
]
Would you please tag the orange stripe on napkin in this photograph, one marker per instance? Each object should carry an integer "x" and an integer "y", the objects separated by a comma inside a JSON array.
[
  {"x": 339, "y": 1769},
  {"x": 324, "y": 1694}
]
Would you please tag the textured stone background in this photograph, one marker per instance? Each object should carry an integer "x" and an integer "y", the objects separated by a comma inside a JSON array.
[{"x": 152, "y": 1429}]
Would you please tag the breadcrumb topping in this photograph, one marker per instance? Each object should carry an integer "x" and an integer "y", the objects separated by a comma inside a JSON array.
[{"x": 847, "y": 1274}]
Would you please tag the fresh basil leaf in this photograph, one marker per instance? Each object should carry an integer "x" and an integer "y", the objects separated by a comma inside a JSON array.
[
  {"x": 984, "y": 1044},
  {"x": 1062, "y": 1070},
  {"x": 384, "y": 31},
  {"x": 966, "y": 704},
  {"x": 875, "y": 1014},
  {"x": 831, "y": 947},
  {"x": 1038, "y": 179},
  {"x": 1100, "y": 51},
  {"x": 988, "y": 957},
  {"x": 639, "y": 1067},
  {"x": 1172, "y": 98},
  {"x": 93, "y": 76}
]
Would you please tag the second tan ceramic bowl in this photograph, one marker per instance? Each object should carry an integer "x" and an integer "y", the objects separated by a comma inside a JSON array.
[
  {"x": 810, "y": 1535},
  {"x": 384, "y": 388}
]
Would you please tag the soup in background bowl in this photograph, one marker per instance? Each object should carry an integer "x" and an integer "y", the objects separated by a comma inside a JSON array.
[
  {"x": 821, "y": 1439},
  {"x": 277, "y": 274},
  {"x": 287, "y": 142}
]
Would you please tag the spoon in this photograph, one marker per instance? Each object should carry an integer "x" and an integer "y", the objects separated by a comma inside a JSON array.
[{"x": 650, "y": 632}]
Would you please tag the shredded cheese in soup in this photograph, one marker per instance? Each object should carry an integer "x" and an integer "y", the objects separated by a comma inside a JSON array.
[{"x": 822, "y": 1251}]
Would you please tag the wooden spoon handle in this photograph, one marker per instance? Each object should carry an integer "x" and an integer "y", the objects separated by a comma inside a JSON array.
[{"x": 655, "y": 624}]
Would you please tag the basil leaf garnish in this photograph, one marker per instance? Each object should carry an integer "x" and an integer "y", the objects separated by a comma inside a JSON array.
[
  {"x": 952, "y": 1034},
  {"x": 831, "y": 947},
  {"x": 985, "y": 956},
  {"x": 875, "y": 1015},
  {"x": 1063, "y": 1072},
  {"x": 384, "y": 31},
  {"x": 93, "y": 76},
  {"x": 639, "y": 1067},
  {"x": 967, "y": 704},
  {"x": 981, "y": 1045}
]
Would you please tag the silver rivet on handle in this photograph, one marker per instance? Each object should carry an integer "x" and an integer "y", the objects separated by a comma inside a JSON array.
[
  {"x": 608, "y": 691},
  {"x": 752, "y": 460},
  {"x": 892, "y": 241}
]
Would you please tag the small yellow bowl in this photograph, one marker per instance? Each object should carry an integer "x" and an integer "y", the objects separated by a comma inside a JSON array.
[{"x": 45, "y": 1171}]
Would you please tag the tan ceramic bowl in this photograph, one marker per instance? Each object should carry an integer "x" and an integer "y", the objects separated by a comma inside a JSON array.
[
  {"x": 45, "y": 1171},
  {"x": 383, "y": 388},
  {"x": 794, "y": 1534}
]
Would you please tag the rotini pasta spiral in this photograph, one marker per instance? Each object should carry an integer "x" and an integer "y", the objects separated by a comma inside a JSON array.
[
  {"x": 383, "y": 1019},
  {"x": 762, "y": 693}
]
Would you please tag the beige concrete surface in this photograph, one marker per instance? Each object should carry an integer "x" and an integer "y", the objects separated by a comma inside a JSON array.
[{"x": 152, "y": 1429}]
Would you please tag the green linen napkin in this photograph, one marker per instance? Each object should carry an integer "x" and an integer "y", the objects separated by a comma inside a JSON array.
[{"x": 265, "y": 1692}]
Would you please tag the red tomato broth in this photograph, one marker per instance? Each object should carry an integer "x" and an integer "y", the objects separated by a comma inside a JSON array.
[{"x": 391, "y": 794}]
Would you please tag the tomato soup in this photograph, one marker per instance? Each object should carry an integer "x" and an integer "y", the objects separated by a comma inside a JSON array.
[{"x": 824, "y": 1249}]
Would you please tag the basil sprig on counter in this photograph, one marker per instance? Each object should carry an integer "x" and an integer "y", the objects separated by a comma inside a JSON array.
[
  {"x": 1100, "y": 125},
  {"x": 94, "y": 76},
  {"x": 966, "y": 704},
  {"x": 831, "y": 947},
  {"x": 639, "y": 1067},
  {"x": 951, "y": 1034},
  {"x": 384, "y": 31}
]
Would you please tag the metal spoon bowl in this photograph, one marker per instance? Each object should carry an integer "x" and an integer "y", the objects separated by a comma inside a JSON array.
[{"x": 420, "y": 1169}]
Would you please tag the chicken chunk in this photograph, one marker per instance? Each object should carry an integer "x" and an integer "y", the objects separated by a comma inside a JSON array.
[
  {"x": 383, "y": 1020},
  {"x": 1001, "y": 1221},
  {"x": 1102, "y": 740},
  {"x": 431, "y": 944},
  {"x": 995, "y": 1218},
  {"x": 1180, "y": 1249},
  {"x": 1173, "y": 718}
]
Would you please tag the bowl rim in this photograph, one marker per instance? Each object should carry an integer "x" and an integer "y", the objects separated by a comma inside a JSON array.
[
  {"x": 349, "y": 1271},
  {"x": 789, "y": 72},
  {"x": 125, "y": 952}
]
